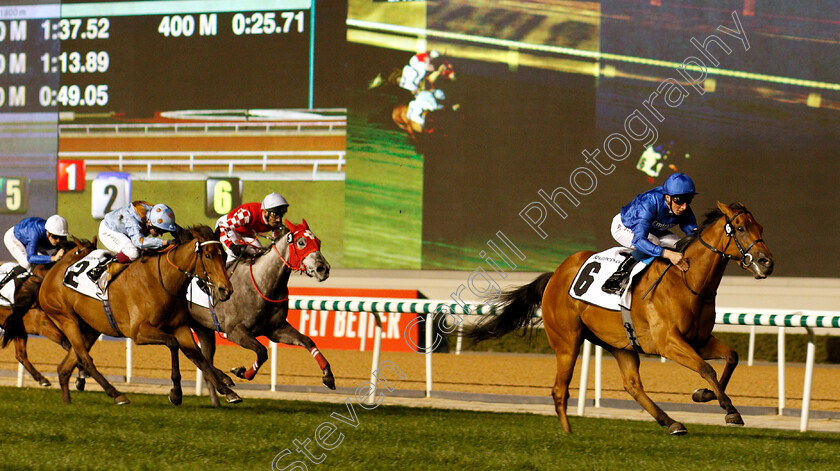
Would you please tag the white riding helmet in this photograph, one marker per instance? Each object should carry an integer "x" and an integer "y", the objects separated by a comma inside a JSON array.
[
  {"x": 274, "y": 202},
  {"x": 439, "y": 95},
  {"x": 57, "y": 225},
  {"x": 162, "y": 217}
]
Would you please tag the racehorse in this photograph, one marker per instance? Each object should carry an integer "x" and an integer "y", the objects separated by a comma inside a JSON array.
[
  {"x": 445, "y": 71},
  {"x": 260, "y": 302},
  {"x": 675, "y": 320},
  {"x": 35, "y": 321},
  {"x": 148, "y": 305},
  {"x": 400, "y": 117}
]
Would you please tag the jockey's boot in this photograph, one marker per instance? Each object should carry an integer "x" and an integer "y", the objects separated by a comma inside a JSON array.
[
  {"x": 616, "y": 283},
  {"x": 96, "y": 271},
  {"x": 114, "y": 269}
]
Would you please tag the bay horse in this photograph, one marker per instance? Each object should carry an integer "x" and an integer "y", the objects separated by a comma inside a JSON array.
[
  {"x": 260, "y": 302},
  {"x": 148, "y": 305},
  {"x": 674, "y": 320},
  {"x": 35, "y": 321}
]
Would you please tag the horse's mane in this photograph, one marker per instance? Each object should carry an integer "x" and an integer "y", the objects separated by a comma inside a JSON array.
[
  {"x": 72, "y": 243},
  {"x": 708, "y": 219},
  {"x": 200, "y": 231}
]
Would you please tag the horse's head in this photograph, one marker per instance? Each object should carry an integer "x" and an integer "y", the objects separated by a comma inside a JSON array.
[
  {"x": 305, "y": 251},
  {"x": 209, "y": 261},
  {"x": 745, "y": 244}
]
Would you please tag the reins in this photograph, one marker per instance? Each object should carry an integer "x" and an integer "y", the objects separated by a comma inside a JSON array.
[
  {"x": 744, "y": 260},
  {"x": 254, "y": 283},
  {"x": 168, "y": 250}
]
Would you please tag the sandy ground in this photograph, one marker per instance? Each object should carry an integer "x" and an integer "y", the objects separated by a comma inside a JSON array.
[{"x": 504, "y": 374}]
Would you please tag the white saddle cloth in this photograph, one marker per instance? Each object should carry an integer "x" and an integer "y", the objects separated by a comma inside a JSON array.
[
  {"x": 8, "y": 290},
  {"x": 75, "y": 277},
  {"x": 196, "y": 295},
  {"x": 595, "y": 271}
]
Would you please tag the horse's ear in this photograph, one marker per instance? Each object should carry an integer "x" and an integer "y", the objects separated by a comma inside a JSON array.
[
  {"x": 305, "y": 224},
  {"x": 289, "y": 225},
  {"x": 725, "y": 209},
  {"x": 94, "y": 241}
]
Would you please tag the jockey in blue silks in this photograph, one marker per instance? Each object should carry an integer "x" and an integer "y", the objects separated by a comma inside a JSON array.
[{"x": 643, "y": 226}]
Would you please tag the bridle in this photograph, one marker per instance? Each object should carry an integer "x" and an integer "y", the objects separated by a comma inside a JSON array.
[
  {"x": 194, "y": 274},
  {"x": 294, "y": 262},
  {"x": 746, "y": 258}
]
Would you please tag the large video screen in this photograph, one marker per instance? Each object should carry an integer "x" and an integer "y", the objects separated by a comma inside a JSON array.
[{"x": 436, "y": 135}]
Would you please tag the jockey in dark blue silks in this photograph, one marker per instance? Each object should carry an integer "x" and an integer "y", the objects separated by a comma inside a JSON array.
[
  {"x": 644, "y": 224},
  {"x": 33, "y": 240}
]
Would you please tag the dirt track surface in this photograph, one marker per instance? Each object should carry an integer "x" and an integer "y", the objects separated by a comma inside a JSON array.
[{"x": 517, "y": 374}]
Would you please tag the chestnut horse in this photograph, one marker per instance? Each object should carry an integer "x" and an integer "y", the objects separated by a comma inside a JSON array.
[
  {"x": 674, "y": 320},
  {"x": 148, "y": 305},
  {"x": 35, "y": 321},
  {"x": 260, "y": 302},
  {"x": 400, "y": 117}
]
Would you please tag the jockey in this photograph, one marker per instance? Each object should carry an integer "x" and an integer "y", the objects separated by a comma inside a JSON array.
[
  {"x": 30, "y": 241},
  {"x": 128, "y": 230},
  {"x": 239, "y": 229},
  {"x": 425, "y": 102},
  {"x": 418, "y": 67},
  {"x": 643, "y": 226}
]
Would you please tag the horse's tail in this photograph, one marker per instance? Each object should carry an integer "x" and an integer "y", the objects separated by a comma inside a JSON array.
[
  {"x": 517, "y": 308},
  {"x": 13, "y": 328},
  {"x": 25, "y": 298}
]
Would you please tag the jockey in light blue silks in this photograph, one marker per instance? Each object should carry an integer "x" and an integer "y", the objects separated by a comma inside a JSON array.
[
  {"x": 643, "y": 226},
  {"x": 127, "y": 230}
]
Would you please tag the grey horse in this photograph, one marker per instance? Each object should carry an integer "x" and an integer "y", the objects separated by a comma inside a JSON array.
[{"x": 260, "y": 302}]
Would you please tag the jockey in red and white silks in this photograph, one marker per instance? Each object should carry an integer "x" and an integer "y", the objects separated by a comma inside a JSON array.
[{"x": 239, "y": 229}]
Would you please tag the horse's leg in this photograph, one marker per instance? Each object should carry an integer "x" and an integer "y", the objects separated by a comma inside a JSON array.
[
  {"x": 183, "y": 336},
  {"x": 290, "y": 336},
  {"x": 79, "y": 343},
  {"x": 65, "y": 370},
  {"x": 680, "y": 351},
  {"x": 91, "y": 336},
  {"x": 208, "y": 349},
  {"x": 20, "y": 356},
  {"x": 715, "y": 349},
  {"x": 176, "y": 395},
  {"x": 241, "y": 336},
  {"x": 566, "y": 358},
  {"x": 628, "y": 363}
]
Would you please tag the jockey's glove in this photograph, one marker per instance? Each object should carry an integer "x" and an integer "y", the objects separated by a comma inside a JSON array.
[{"x": 237, "y": 250}]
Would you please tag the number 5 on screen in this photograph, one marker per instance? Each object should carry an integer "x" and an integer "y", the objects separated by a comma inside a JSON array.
[
  {"x": 14, "y": 192},
  {"x": 109, "y": 191}
]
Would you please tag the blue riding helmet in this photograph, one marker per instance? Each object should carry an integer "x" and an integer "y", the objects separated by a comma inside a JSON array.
[
  {"x": 679, "y": 184},
  {"x": 162, "y": 217}
]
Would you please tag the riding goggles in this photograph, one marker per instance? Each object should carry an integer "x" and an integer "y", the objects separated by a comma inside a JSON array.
[{"x": 679, "y": 200}]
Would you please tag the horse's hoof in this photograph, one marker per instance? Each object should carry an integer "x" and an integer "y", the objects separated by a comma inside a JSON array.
[
  {"x": 329, "y": 381},
  {"x": 703, "y": 395},
  {"x": 175, "y": 397},
  {"x": 121, "y": 400},
  {"x": 677, "y": 429},
  {"x": 45, "y": 383},
  {"x": 734, "y": 419},
  {"x": 239, "y": 371},
  {"x": 80, "y": 384},
  {"x": 233, "y": 398}
]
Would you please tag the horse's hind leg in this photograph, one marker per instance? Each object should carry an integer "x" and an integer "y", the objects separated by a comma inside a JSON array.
[
  {"x": 176, "y": 395},
  {"x": 680, "y": 351},
  {"x": 628, "y": 363},
  {"x": 560, "y": 391},
  {"x": 81, "y": 344},
  {"x": 715, "y": 349},
  {"x": 290, "y": 336},
  {"x": 21, "y": 356}
]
